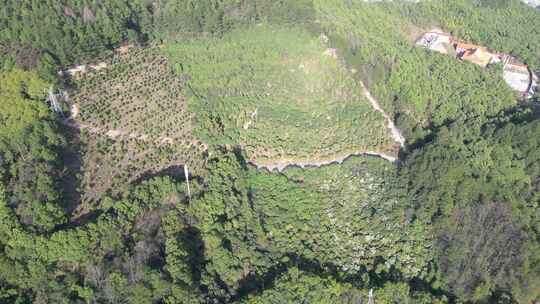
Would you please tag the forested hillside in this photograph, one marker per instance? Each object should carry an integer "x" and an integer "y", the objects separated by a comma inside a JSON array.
[
  {"x": 285, "y": 97},
  {"x": 147, "y": 182}
]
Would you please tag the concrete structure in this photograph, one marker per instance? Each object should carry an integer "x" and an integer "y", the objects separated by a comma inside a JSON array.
[
  {"x": 436, "y": 41},
  {"x": 517, "y": 78},
  {"x": 476, "y": 54},
  {"x": 462, "y": 47},
  {"x": 517, "y": 75}
]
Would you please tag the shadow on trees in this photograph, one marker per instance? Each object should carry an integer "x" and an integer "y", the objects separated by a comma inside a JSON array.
[
  {"x": 257, "y": 284},
  {"x": 175, "y": 172},
  {"x": 72, "y": 159},
  {"x": 192, "y": 239},
  {"x": 254, "y": 284},
  {"x": 526, "y": 112}
]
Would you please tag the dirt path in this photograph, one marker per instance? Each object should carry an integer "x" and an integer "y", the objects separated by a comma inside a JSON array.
[
  {"x": 113, "y": 133},
  {"x": 396, "y": 133}
]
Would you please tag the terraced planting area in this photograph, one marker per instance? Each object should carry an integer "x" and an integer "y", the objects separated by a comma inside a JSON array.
[
  {"x": 134, "y": 122},
  {"x": 281, "y": 93}
]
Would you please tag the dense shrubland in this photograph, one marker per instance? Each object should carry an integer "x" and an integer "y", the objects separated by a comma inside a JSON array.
[
  {"x": 456, "y": 222},
  {"x": 29, "y": 147},
  {"x": 504, "y": 26},
  {"x": 177, "y": 20},
  {"x": 280, "y": 93},
  {"x": 423, "y": 90},
  {"x": 458, "y": 176},
  {"x": 45, "y": 34},
  {"x": 252, "y": 222}
]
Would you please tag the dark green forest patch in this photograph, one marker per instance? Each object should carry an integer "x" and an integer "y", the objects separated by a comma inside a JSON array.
[{"x": 456, "y": 220}]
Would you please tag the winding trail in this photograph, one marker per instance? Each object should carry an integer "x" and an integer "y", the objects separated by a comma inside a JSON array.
[
  {"x": 116, "y": 134},
  {"x": 396, "y": 135}
]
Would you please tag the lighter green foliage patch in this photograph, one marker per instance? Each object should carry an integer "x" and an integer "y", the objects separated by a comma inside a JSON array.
[
  {"x": 280, "y": 93},
  {"x": 21, "y": 94}
]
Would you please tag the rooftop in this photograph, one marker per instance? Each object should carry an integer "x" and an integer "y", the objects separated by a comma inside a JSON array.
[
  {"x": 516, "y": 74},
  {"x": 478, "y": 56}
]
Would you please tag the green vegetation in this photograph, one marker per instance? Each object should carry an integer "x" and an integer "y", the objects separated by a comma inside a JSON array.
[
  {"x": 348, "y": 216},
  {"x": 98, "y": 208},
  {"x": 130, "y": 231},
  {"x": 134, "y": 122},
  {"x": 212, "y": 242},
  {"x": 297, "y": 287},
  {"x": 46, "y": 33},
  {"x": 343, "y": 217},
  {"x": 504, "y": 26},
  {"x": 473, "y": 236},
  {"x": 29, "y": 143},
  {"x": 178, "y": 19},
  {"x": 280, "y": 93},
  {"x": 424, "y": 90},
  {"x": 456, "y": 177}
]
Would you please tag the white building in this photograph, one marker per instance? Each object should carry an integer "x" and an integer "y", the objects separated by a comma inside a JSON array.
[{"x": 520, "y": 78}]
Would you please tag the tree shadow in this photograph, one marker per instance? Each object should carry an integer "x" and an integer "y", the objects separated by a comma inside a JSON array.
[
  {"x": 71, "y": 158},
  {"x": 526, "y": 112},
  {"x": 175, "y": 172},
  {"x": 192, "y": 239},
  {"x": 255, "y": 284}
]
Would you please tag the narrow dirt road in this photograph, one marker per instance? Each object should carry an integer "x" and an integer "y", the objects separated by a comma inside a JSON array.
[
  {"x": 396, "y": 133},
  {"x": 113, "y": 133}
]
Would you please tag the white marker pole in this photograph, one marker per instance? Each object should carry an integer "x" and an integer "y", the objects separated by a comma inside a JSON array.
[{"x": 186, "y": 173}]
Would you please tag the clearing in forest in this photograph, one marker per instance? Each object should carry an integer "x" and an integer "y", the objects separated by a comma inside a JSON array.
[
  {"x": 281, "y": 93},
  {"x": 133, "y": 121}
]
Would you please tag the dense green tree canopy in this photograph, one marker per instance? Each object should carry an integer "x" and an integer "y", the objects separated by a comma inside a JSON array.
[
  {"x": 64, "y": 32},
  {"x": 455, "y": 220},
  {"x": 29, "y": 145}
]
